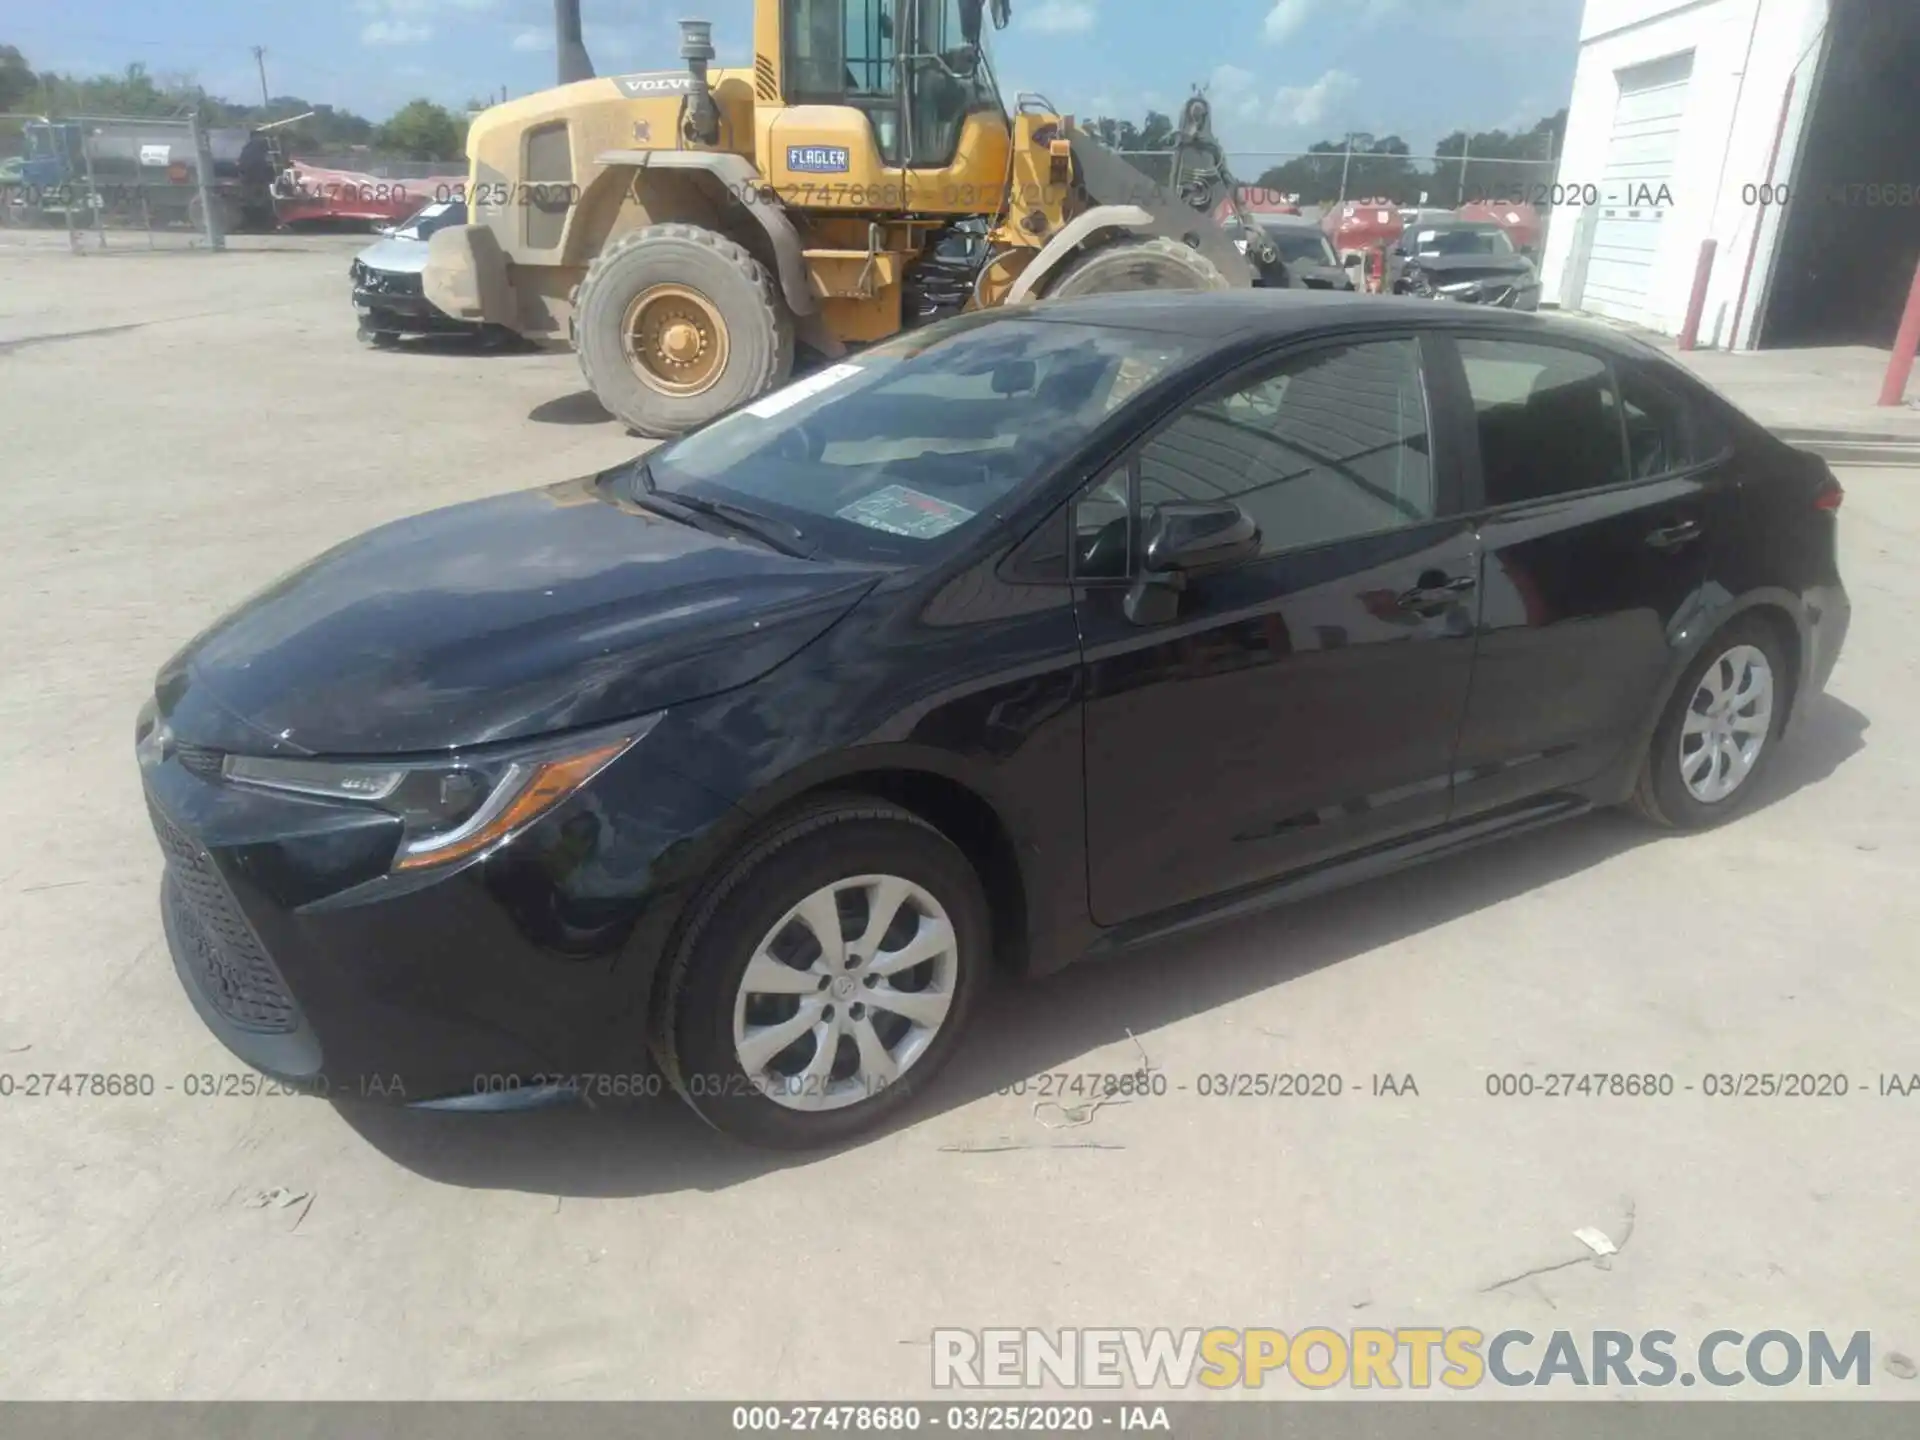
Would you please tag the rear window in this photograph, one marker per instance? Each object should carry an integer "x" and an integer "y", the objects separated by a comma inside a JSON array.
[{"x": 1666, "y": 429}]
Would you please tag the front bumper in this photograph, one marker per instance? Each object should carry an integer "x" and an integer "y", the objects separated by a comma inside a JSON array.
[
  {"x": 527, "y": 968},
  {"x": 394, "y": 302}
]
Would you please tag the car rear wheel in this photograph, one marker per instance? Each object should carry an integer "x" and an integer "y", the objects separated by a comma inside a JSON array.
[
  {"x": 1718, "y": 733},
  {"x": 825, "y": 978}
]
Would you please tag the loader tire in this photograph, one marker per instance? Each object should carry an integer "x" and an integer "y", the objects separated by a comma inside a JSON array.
[
  {"x": 676, "y": 325},
  {"x": 1152, "y": 263}
]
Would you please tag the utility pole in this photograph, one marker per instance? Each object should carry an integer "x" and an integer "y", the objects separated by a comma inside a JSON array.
[
  {"x": 1345, "y": 166},
  {"x": 1466, "y": 148},
  {"x": 260, "y": 59}
]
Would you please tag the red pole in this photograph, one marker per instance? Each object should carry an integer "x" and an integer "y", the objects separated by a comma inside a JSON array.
[
  {"x": 1753, "y": 248},
  {"x": 1900, "y": 367},
  {"x": 1697, "y": 303}
]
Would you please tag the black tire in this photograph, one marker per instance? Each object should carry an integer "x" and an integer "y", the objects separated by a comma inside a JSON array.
[
  {"x": 1661, "y": 794},
  {"x": 829, "y": 840},
  {"x": 377, "y": 339},
  {"x": 1154, "y": 263},
  {"x": 739, "y": 287}
]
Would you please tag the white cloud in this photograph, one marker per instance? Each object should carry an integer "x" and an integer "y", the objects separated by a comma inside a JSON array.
[
  {"x": 1287, "y": 18},
  {"x": 533, "y": 39},
  {"x": 1061, "y": 17},
  {"x": 1306, "y": 105},
  {"x": 1238, "y": 97},
  {"x": 395, "y": 32}
]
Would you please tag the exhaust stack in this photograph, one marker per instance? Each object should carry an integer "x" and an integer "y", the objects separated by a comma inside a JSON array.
[
  {"x": 570, "y": 50},
  {"x": 701, "y": 118}
]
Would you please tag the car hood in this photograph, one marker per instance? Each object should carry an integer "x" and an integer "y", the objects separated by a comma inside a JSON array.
[
  {"x": 395, "y": 255},
  {"x": 499, "y": 619},
  {"x": 1451, "y": 269}
]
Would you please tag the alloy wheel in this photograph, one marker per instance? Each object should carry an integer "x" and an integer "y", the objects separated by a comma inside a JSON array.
[
  {"x": 1727, "y": 724},
  {"x": 845, "y": 993}
]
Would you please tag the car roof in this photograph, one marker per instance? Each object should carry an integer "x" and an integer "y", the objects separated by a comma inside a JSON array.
[{"x": 1230, "y": 317}]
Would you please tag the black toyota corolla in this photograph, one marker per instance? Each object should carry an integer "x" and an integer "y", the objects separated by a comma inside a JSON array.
[{"x": 1017, "y": 638}]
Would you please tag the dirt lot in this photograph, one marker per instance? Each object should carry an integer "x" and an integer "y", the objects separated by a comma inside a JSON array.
[{"x": 181, "y": 429}]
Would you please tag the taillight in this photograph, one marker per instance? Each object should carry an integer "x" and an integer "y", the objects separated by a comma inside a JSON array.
[{"x": 1830, "y": 495}]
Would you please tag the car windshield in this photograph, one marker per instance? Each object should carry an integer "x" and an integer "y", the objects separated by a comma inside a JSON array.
[
  {"x": 1479, "y": 240},
  {"x": 428, "y": 218},
  {"x": 894, "y": 452},
  {"x": 1301, "y": 246}
]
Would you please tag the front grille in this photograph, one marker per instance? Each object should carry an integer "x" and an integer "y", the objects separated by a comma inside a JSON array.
[{"x": 220, "y": 948}]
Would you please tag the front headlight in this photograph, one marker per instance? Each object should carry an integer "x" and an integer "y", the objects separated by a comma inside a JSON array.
[{"x": 457, "y": 807}]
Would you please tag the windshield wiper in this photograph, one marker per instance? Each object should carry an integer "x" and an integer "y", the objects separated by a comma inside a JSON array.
[{"x": 775, "y": 534}]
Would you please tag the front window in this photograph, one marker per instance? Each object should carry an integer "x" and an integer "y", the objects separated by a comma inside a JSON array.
[
  {"x": 1489, "y": 240},
  {"x": 891, "y": 456},
  {"x": 843, "y": 52},
  {"x": 948, "y": 79}
]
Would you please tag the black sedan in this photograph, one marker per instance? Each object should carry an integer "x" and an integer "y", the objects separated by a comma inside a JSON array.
[
  {"x": 1469, "y": 261},
  {"x": 1016, "y": 638}
]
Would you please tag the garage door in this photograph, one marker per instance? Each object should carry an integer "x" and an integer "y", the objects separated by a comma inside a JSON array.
[{"x": 1640, "y": 162}]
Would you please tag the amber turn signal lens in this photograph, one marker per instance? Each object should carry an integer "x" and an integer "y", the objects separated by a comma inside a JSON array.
[{"x": 549, "y": 784}]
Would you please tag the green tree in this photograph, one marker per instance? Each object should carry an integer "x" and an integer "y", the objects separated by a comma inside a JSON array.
[
  {"x": 17, "y": 79},
  {"x": 422, "y": 130}
]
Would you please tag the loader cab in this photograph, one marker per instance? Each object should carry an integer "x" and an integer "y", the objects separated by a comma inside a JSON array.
[{"x": 917, "y": 69}]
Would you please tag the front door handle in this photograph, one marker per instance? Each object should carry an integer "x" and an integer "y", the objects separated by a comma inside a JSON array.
[
  {"x": 1675, "y": 537},
  {"x": 1435, "y": 592}
]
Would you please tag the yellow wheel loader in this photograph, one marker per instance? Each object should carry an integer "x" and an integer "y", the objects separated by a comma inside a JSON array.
[{"x": 684, "y": 229}]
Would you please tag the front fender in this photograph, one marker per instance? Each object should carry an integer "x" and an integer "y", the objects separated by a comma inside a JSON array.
[{"x": 742, "y": 181}]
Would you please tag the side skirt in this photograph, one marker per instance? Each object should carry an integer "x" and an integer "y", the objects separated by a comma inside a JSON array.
[{"x": 1340, "y": 873}]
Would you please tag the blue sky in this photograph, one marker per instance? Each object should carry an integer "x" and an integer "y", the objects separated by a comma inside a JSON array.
[{"x": 1282, "y": 72}]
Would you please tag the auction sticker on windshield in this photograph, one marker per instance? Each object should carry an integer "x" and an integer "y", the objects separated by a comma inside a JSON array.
[
  {"x": 900, "y": 511},
  {"x": 771, "y": 405}
]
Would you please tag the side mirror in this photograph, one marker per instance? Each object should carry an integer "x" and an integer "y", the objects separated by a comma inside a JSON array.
[
  {"x": 1193, "y": 537},
  {"x": 1354, "y": 260},
  {"x": 1185, "y": 539}
]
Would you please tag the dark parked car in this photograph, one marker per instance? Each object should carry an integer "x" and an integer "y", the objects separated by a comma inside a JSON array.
[
  {"x": 1469, "y": 261},
  {"x": 1015, "y": 638},
  {"x": 1304, "y": 246}
]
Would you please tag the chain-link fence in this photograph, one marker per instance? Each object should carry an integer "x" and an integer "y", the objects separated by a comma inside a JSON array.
[{"x": 112, "y": 181}]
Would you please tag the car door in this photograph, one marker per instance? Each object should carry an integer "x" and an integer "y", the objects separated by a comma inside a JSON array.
[
  {"x": 1599, "y": 492},
  {"x": 1304, "y": 703}
]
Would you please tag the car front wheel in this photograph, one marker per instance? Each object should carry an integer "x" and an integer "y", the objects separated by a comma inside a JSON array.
[
  {"x": 826, "y": 977},
  {"x": 1719, "y": 731}
]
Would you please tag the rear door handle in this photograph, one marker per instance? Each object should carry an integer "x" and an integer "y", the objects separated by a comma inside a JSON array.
[
  {"x": 1674, "y": 537},
  {"x": 1435, "y": 593}
]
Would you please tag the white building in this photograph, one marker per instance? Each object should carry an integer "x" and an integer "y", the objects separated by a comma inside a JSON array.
[{"x": 1786, "y": 130}]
